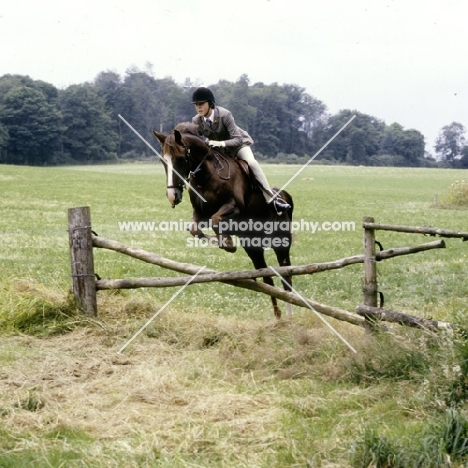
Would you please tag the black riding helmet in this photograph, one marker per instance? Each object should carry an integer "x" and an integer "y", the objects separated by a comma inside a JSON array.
[{"x": 202, "y": 94}]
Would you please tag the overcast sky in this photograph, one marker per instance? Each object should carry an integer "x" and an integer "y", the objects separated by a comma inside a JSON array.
[{"x": 402, "y": 61}]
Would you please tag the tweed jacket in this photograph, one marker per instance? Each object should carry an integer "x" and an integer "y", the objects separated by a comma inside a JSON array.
[{"x": 224, "y": 128}]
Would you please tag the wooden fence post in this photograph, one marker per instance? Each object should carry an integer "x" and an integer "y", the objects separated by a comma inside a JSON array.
[
  {"x": 370, "y": 288},
  {"x": 82, "y": 262}
]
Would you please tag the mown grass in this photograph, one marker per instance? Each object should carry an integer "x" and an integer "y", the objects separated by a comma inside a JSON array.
[{"x": 215, "y": 380}]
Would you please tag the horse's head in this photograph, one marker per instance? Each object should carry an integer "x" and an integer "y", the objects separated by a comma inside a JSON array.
[
  {"x": 181, "y": 149},
  {"x": 175, "y": 164}
]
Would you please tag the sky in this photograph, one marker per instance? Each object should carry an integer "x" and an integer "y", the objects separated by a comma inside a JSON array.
[{"x": 400, "y": 61}]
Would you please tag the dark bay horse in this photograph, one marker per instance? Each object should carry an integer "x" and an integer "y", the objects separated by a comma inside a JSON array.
[{"x": 225, "y": 198}]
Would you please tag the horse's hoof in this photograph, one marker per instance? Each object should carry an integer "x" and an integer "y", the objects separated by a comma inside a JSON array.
[
  {"x": 277, "y": 312},
  {"x": 231, "y": 249},
  {"x": 226, "y": 243}
]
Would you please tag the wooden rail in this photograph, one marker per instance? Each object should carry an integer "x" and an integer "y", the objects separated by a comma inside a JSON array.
[{"x": 428, "y": 231}]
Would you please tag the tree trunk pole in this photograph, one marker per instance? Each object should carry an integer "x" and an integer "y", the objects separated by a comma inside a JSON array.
[
  {"x": 210, "y": 275},
  {"x": 82, "y": 262},
  {"x": 402, "y": 319},
  {"x": 416, "y": 230},
  {"x": 370, "y": 272}
]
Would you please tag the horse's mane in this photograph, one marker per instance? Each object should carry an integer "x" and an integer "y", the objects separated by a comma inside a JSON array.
[
  {"x": 188, "y": 127},
  {"x": 183, "y": 127}
]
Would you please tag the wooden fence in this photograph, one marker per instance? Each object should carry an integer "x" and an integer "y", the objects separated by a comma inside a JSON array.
[{"x": 83, "y": 241}]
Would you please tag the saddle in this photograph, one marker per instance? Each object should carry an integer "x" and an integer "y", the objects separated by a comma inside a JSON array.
[{"x": 246, "y": 170}]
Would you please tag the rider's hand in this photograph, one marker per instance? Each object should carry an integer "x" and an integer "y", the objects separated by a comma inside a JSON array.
[{"x": 216, "y": 144}]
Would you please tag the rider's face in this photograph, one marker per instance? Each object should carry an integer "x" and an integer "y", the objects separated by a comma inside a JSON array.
[{"x": 203, "y": 108}]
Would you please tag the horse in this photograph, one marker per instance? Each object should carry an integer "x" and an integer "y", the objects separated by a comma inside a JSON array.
[{"x": 226, "y": 198}]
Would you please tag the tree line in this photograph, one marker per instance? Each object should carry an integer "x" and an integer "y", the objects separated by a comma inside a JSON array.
[{"x": 43, "y": 125}]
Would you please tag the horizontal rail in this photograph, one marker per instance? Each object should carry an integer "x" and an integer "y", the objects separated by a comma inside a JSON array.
[
  {"x": 401, "y": 318},
  {"x": 210, "y": 276},
  {"x": 152, "y": 258},
  {"x": 416, "y": 230}
]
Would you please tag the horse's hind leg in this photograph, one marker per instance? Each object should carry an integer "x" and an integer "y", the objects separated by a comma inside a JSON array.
[
  {"x": 258, "y": 259},
  {"x": 282, "y": 255}
]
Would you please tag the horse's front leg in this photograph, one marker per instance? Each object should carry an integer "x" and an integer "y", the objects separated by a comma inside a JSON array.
[
  {"x": 227, "y": 211},
  {"x": 195, "y": 230}
]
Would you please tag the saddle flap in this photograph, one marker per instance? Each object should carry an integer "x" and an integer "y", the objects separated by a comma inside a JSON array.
[
  {"x": 246, "y": 170},
  {"x": 244, "y": 166}
]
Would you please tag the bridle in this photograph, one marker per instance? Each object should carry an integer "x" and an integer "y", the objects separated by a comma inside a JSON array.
[
  {"x": 189, "y": 161},
  {"x": 218, "y": 157},
  {"x": 185, "y": 178}
]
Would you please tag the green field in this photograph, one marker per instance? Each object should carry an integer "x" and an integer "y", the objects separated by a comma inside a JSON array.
[{"x": 215, "y": 380}]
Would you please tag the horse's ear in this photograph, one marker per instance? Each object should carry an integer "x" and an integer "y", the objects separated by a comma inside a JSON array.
[
  {"x": 178, "y": 137},
  {"x": 160, "y": 137}
]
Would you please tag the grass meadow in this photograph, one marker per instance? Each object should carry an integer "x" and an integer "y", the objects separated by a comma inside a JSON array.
[{"x": 216, "y": 380}]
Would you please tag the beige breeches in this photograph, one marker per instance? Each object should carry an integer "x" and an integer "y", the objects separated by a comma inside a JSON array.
[{"x": 246, "y": 154}]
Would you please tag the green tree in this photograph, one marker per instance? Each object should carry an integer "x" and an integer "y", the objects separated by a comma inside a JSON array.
[
  {"x": 139, "y": 110},
  {"x": 407, "y": 146},
  {"x": 290, "y": 116},
  {"x": 264, "y": 128},
  {"x": 238, "y": 102},
  {"x": 450, "y": 142},
  {"x": 8, "y": 82},
  {"x": 3, "y": 142},
  {"x": 283, "y": 118},
  {"x": 89, "y": 131},
  {"x": 173, "y": 105},
  {"x": 464, "y": 158},
  {"x": 312, "y": 115},
  {"x": 149, "y": 104},
  {"x": 280, "y": 118},
  {"x": 33, "y": 124},
  {"x": 391, "y": 134},
  {"x": 110, "y": 86},
  {"x": 360, "y": 140},
  {"x": 146, "y": 103},
  {"x": 411, "y": 147},
  {"x": 222, "y": 91},
  {"x": 356, "y": 147}
]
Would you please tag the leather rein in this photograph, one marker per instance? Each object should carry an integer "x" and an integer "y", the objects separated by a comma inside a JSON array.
[{"x": 188, "y": 159}]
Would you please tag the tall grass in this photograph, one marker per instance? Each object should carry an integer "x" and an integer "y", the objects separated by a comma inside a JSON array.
[
  {"x": 456, "y": 196},
  {"x": 442, "y": 443},
  {"x": 36, "y": 310}
]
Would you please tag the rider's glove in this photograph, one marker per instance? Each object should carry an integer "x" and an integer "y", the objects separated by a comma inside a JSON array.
[{"x": 216, "y": 144}]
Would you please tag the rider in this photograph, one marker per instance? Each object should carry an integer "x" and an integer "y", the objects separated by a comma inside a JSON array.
[{"x": 218, "y": 126}]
